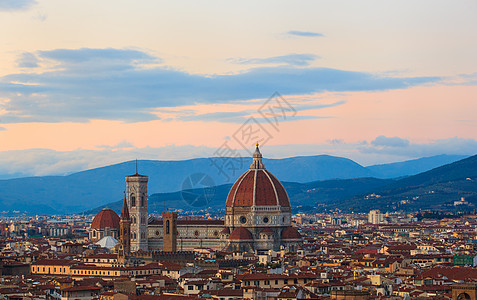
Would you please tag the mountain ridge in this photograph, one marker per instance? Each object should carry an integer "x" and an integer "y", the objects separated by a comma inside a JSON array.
[{"x": 87, "y": 189}]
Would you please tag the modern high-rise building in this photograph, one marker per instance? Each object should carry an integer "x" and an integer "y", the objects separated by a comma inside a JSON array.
[{"x": 375, "y": 217}]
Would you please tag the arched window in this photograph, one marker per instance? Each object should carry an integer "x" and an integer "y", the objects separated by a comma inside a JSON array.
[
  {"x": 167, "y": 227},
  {"x": 463, "y": 296},
  {"x": 133, "y": 200},
  {"x": 142, "y": 200}
]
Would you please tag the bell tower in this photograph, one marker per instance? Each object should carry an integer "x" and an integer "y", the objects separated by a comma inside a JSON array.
[
  {"x": 169, "y": 230},
  {"x": 136, "y": 196}
]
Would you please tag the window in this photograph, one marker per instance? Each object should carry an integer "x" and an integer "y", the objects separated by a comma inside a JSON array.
[
  {"x": 133, "y": 200},
  {"x": 167, "y": 227},
  {"x": 142, "y": 200},
  {"x": 190, "y": 288}
]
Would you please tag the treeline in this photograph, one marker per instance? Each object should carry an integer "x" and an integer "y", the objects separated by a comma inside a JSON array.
[{"x": 439, "y": 215}]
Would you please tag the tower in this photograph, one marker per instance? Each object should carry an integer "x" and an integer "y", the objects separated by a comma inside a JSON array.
[
  {"x": 169, "y": 229},
  {"x": 125, "y": 233},
  {"x": 136, "y": 196}
]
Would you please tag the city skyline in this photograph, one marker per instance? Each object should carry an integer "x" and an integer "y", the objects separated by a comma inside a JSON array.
[{"x": 90, "y": 84}]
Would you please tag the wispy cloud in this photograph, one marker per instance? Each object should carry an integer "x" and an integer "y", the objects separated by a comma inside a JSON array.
[
  {"x": 290, "y": 59},
  {"x": 27, "y": 60},
  {"x": 89, "y": 55},
  {"x": 304, "y": 107},
  {"x": 39, "y": 162},
  {"x": 12, "y": 5},
  {"x": 123, "y": 145},
  {"x": 304, "y": 33},
  {"x": 239, "y": 117},
  {"x": 397, "y": 146},
  {"x": 383, "y": 141},
  {"x": 127, "y": 85},
  {"x": 234, "y": 117}
]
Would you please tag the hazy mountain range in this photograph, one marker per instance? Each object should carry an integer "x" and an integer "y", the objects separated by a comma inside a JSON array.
[
  {"x": 86, "y": 190},
  {"x": 436, "y": 189}
]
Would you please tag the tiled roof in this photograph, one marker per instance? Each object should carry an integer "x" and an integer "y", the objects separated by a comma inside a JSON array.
[
  {"x": 257, "y": 187},
  {"x": 82, "y": 288},
  {"x": 453, "y": 273},
  {"x": 290, "y": 233},
  {"x": 53, "y": 262},
  {"x": 105, "y": 218},
  {"x": 241, "y": 233}
]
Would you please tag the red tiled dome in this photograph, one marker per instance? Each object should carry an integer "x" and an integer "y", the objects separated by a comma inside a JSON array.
[
  {"x": 241, "y": 234},
  {"x": 105, "y": 218},
  {"x": 226, "y": 230},
  {"x": 257, "y": 187},
  {"x": 290, "y": 233}
]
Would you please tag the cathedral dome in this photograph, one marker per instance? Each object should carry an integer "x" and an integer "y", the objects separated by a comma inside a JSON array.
[
  {"x": 241, "y": 234},
  {"x": 257, "y": 187},
  {"x": 290, "y": 233},
  {"x": 106, "y": 218}
]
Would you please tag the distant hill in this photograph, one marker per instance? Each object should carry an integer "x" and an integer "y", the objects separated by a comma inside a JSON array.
[
  {"x": 85, "y": 190},
  {"x": 301, "y": 195},
  {"x": 436, "y": 189},
  {"x": 413, "y": 167}
]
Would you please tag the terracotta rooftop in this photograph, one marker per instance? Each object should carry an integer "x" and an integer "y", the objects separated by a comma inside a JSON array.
[
  {"x": 257, "y": 187},
  {"x": 290, "y": 233},
  {"x": 105, "y": 218},
  {"x": 241, "y": 234}
]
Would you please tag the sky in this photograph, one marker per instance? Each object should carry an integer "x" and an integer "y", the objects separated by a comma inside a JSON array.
[{"x": 85, "y": 84}]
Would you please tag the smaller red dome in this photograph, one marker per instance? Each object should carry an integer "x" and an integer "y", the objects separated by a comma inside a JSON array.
[
  {"x": 290, "y": 233},
  {"x": 241, "y": 234},
  {"x": 105, "y": 218}
]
